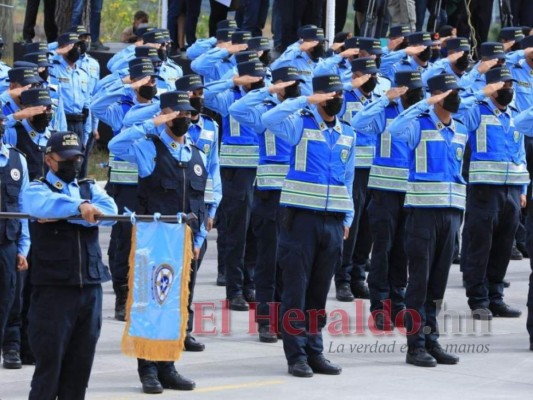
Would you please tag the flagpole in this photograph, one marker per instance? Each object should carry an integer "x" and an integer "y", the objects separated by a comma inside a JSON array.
[{"x": 185, "y": 218}]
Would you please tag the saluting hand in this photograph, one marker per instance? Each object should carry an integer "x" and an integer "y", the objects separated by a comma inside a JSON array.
[
  {"x": 349, "y": 53},
  {"x": 317, "y": 98},
  {"x": 484, "y": 66},
  {"x": 414, "y": 50},
  {"x": 235, "y": 48},
  {"x": 89, "y": 212},
  {"x": 64, "y": 50},
  {"x": 438, "y": 97},
  {"x": 360, "y": 81},
  {"x": 162, "y": 119},
  {"x": 245, "y": 80},
  {"x": 396, "y": 92},
  {"x": 455, "y": 56},
  {"x": 393, "y": 43},
  {"x": 492, "y": 88},
  {"x": 278, "y": 87},
  {"x": 29, "y": 112},
  {"x": 141, "y": 82}
]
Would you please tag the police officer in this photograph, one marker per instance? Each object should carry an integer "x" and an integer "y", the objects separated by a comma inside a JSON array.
[
  {"x": 20, "y": 79},
  {"x": 387, "y": 183},
  {"x": 274, "y": 157},
  {"x": 350, "y": 278},
  {"x": 203, "y": 133},
  {"x": 435, "y": 197},
  {"x": 167, "y": 163},
  {"x": 14, "y": 246},
  {"x": 214, "y": 64},
  {"x": 111, "y": 106},
  {"x": 498, "y": 180},
  {"x": 456, "y": 63},
  {"x": 120, "y": 59},
  {"x": 318, "y": 213},
  {"x": 72, "y": 84},
  {"x": 339, "y": 63},
  {"x": 239, "y": 156},
  {"x": 492, "y": 54},
  {"x": 200, "y": 46},
  {"x": 65, "y": 315}
]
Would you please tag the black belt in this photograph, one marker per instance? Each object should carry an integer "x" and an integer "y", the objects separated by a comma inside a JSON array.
[
  {"x": 323, "y": 213},
  {"x": 76, "y": 117}
]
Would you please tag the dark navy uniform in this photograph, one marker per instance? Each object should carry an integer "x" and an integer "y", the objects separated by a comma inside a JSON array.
[{"x": 65, "y": 315}]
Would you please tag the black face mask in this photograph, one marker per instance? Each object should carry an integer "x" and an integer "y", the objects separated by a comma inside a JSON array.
[
  {"x": 147, "y": 92},
  {"x": 413, "y": 96},
  {"x": 73, "y": 55},
  {"x": 2, "y": 130},
  {"x": 333, "y": 106},
  {"x": 401, "y": 46},
  {"x": 317, "y": 52},
  {"x": 44, "y": 74},
  {"x": 425, "y": 55},
  {"x": 369, "y": 85},
  {"x": 198, "y": 104},
  {"x": 462, "y": 63},
  {"x": 515, "y": 46},
  {"x": 180, "y": 126},
  {"x": 451, "y": 102},
  {"x": 435, "y": 55},
  {"x": 257, "y": 85},
  {"x": 505, "y": 96},
  {"x": 265, "y": 58},
  {"x": 163, "y": 54},
  {"x": 41, "y": 121},
  {"x": 83, "y": 47},
  {"x": 68, "y": 170},
  {"x": 378, "y": 61},
  {"x": 292, "y": 91}
]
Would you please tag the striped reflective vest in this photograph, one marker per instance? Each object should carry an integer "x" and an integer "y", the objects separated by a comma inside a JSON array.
[
  {"x": 239, "y": 147},
  {"x": 390, "y": 167},
  {"x": 498, "y": 156},
  {"x": 366, "y": 142},
  {"x": 204, "y": 137},
  {"x": 274, "y": 159},
  {"x": 122, "y": 172},
  {"x": 316, "y": 178},
  {"x": 435, "y": 167}
]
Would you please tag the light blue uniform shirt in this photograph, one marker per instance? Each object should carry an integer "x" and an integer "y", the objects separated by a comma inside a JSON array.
[
  {"x": 199, "y": 47},
  {"x": 524, "y": 121},
  {"x": 213, "y": 64},
  {"x": 117, "y": 61},
  {"x": 131, "y": 145},
  {"x": 41, "y": 202},
  {"x": 285, "y": 121}
]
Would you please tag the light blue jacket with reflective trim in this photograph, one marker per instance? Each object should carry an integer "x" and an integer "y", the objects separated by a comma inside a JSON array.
[{"x": 327, "y": 161}]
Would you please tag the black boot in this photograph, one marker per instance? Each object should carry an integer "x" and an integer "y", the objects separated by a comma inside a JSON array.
[{"x": 121, "y": 293}]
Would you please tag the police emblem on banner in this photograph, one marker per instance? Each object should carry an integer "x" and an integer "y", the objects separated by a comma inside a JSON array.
[
  {"x": 162, "y": 280},
  {"x": 516, "y": 136},
  {"x": 15, "y": 174},
  {"x": 459, "y": 153},
  {"x": 344, "y": 155},
  {"x": 198, "y": 170}
]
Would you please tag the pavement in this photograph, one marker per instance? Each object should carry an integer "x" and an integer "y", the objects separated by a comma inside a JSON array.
[{"x": 495, "y": 359}]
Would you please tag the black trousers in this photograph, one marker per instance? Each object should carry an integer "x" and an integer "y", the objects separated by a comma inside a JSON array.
[
  {"x": 387, "y": 277},
  {"x": 8, "y": 283},
  {"x": 522, "y": 12},
  {"x": 491, "y": 220},
  {"x": 296, "y": 13},
  {"x": 429, "y": 244},
  {"x": 252, "y": 15},
  {"x": 65, "y": 323},
  {"x": 30, "y": 18},
  {"x": 191, "y": 9},
  {"x": 310, "y": 246},
  {"x": 218, "y": 13},
  {"x": 341, "y": 12},
  {"x": 529, "y": 245}
]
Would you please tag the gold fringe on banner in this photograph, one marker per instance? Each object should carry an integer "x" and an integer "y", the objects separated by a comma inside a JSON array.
[{"x": 159, "y": 350}]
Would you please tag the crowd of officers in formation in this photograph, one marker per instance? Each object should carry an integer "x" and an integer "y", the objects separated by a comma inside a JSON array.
[{"x": 321, "y": 151}]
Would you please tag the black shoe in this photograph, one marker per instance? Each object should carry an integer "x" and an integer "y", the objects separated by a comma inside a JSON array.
[
  {"x": 249, "y": 295},
  {"x": 221, "y": 280},
  {"x": 506, "y": 284},
  {"x": 438, "y": 353},
  {"x": 151, "y": 384},
  {"x": 301, "y": 369},
  {"x": 504, "y": 310},
  {"x": 360, "y": 290},
  {"x": 516, "y": 255},
  {"x": 192, "y": 345},
  {"x": 238, "y": 304},
  {"x": 420, "y": 358},
  {"x": 98, "y": 46},
  {"x": 12, "y": 360},
  {"x": 320, "y": 365},
  {"x": 383, "y": 322},
  {"x": 522, "y": 249},
  {"x": 482, "y": 314},
  {"x": 266, "y": 335},
  {"x": 121, "y": 297},
  {"x": 175, "y": 381},
  {"x": 343, "y": 293}
]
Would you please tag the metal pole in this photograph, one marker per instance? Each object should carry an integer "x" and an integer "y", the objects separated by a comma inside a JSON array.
[
  {"x": 164, "y": 13},
  {"x": 330, "y": 21},
  {"x": 185, "y": 218}
]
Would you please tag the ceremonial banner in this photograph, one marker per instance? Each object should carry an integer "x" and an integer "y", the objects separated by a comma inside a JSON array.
[{"x": 160, "y": 262}]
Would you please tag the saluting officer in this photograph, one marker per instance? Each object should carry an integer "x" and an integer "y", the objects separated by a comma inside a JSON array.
[
  {"x": 435, "y": 196},
  {"x": 317, "y": 216},
  {"x": 387, "y": 183},
  {"x": 65, "y": 315},
  {"x": 172, "y": 179}
]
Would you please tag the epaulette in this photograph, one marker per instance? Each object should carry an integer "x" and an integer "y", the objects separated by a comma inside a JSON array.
[
  {"x": 305, "y": 111},
  {"x": 54, "y": 61},
  {"x": 512, "y": 107},
  {"x": 87, "y": 180}
]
